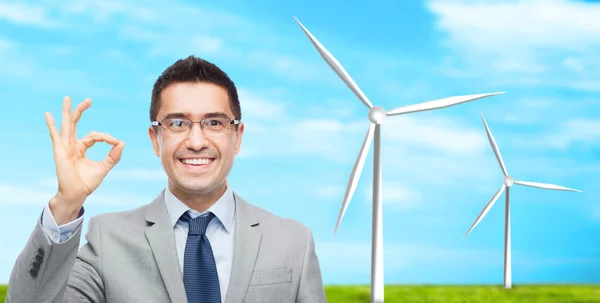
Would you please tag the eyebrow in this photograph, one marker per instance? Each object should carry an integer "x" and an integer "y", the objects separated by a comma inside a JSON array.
[
  {"x": 216, "y": 115},
  {"x": 187, "y": 115},
  {"x": 176, "y": 115}
]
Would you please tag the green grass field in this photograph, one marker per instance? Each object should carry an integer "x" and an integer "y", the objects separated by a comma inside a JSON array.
[{"x": 459, "y": 294}]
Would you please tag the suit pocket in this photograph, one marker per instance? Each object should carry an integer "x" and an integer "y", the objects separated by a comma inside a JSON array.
[{"x": 266, "y": 277}]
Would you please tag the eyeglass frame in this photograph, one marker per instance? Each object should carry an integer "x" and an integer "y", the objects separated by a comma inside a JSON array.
[{"x": 160, "y": 123}]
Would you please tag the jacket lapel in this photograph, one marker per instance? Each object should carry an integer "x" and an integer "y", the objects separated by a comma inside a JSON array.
[
  {"x": 162, "y": 241},
  {"x": 247, "y": 244}
]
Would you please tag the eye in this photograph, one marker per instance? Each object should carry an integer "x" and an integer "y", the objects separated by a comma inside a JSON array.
[
  {"x": 214, "y": 122},
  {"x": 177, "y": 123}
]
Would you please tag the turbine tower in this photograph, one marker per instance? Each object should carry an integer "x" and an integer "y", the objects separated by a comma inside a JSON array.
[
  {"x": 508, "y": 182},
  {"x": 376, "y": 117}
]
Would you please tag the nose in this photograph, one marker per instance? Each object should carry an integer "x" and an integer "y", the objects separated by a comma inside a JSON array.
[{"x": 196, "y": 139}]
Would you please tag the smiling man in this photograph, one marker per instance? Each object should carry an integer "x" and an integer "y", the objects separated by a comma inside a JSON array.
[{"x": 198, "y": 241}]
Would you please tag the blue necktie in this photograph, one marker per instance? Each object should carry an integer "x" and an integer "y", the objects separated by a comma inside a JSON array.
[{"x": 199, "y": 268}]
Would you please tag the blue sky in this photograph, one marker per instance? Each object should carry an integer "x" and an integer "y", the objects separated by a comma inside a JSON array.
[{"x": 304, "y": 127}]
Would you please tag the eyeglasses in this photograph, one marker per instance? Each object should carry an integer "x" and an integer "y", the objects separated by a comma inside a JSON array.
[{"x": 178, "y": 126}]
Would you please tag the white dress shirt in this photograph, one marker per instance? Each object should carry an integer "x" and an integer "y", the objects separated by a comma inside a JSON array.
[{"x": 220, "y": 231}]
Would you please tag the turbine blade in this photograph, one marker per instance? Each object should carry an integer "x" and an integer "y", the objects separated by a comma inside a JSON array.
[
  {"x": 546, "y": 186},
  {"x": 439, "y": 103},
  {"x": 486, "y": 209},
  {"x": 494, "y": 146},
  {"x": 336, "y": 66},
  {"x": 356, "y": 172}
]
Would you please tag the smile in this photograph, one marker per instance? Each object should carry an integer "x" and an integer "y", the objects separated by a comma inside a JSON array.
[{"x": 197, "y": 162}]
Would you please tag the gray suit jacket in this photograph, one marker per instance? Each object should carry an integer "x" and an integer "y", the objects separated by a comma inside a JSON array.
[{"x": 131, "y": 257}]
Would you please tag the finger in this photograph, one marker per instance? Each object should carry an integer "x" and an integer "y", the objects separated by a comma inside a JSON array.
[
  {"x": 65, "y": 126},
  {"x": 114, "y": 156},
  {"x": 54, "y": 136},
  {"x": 81, "y": 107},
  {"x": 90, "y": 139}
]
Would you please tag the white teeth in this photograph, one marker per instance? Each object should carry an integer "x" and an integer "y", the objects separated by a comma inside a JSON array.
[{"x": 196, "y": 161}]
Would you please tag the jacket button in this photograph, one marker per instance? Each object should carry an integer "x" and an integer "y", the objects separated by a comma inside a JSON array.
[
  {"x": 33, "y": 273},
  {"x": 41, "y": 251},
  {"x": 36, "y": 265},
  {"x": 39, "y": 259}
]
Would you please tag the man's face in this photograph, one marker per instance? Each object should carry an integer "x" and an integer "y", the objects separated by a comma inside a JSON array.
[{"x": 195, "y": 100}]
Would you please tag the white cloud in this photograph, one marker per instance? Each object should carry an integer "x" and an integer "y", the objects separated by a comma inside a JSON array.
[
  {"x": 332, "y": 137},
  {"x": 577, "y": 132},
  {"x": 15, "y": 65},
  {"x": 22, "y": 195},
  {"x": 12, "y": 62},
  {"x": 11, "y": 193},
  {"x": 7, "y": 45},
  {"x": 512, "y": 24},
  {"x": 116, "y": 55},
  {"x": 256, "y": 107},
  {"x": 208, "y": 44},
  {"x": 324, "y": 138},
  {"x": 131, "y": 175},
  {"x": 138, "y": 33},
  {"x": 329, "y": 192},
  {"x": 433, "y": 148},
  {"x": 396, "y": 195},
  {"x": 538, "y": 113},
  {"x": 531, "y": 42},
  {"x": 439, "y": 133},
  {"x": 24, "y": 14},
  {"x": 585, "y": 131},
  {"x": 138, "y": 175},
  {"x": 288, "y": 65},
  {"x": 105, "y": 12},
  {"x": 167, "y": 29},
  {"x": 50, "y": 183},
  {"x": 574, "y": 64},
  {"x": 406, "y": 90},
  {"x": 335, "y": 108}
]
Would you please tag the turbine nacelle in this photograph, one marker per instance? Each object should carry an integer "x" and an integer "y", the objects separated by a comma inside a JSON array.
[
  {"x": 509, "y": 181},
  {"x": 377, "y": 114}
]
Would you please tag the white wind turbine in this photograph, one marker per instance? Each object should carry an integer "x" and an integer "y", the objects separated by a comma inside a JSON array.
[
  {"x": 376, "y": 116},
  {"x": 508, "y": 182}
]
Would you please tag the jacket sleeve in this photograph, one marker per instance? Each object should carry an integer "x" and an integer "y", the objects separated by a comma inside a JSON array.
[
  {"x": 46, "y": 271},
  {"x": 59, "y": 234}
]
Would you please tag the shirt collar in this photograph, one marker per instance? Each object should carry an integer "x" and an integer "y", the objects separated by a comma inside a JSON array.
[{"x": 224, "y": 208}]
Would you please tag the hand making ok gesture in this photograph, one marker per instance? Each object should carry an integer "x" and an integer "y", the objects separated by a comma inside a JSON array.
[{"x": 77, "y": 175}]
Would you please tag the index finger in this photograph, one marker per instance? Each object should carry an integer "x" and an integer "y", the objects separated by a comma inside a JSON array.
[
  {"x": 77, "y": 112},
  {"x": 93, "y": 137},
  {"x": 81, "y": 107}
]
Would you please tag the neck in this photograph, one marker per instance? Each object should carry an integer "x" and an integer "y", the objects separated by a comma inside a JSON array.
[{"x": 198, "y": 201}]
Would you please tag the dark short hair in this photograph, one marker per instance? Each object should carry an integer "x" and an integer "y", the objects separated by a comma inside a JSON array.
[{"x": 193, "y": 69}]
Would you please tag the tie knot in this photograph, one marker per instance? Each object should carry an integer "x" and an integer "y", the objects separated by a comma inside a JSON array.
[{"x": 197, "y": 225}]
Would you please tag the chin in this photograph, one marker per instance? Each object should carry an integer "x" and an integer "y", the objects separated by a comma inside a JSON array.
[{"x": 197, "y": 187}]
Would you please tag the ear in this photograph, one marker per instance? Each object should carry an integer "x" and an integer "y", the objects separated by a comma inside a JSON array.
[
  {"x": 154, "y": 140},
  {"x": 238, "y": 138}
]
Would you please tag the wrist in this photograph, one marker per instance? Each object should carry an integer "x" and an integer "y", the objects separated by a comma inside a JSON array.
[{"x": 64, "y": 211}]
